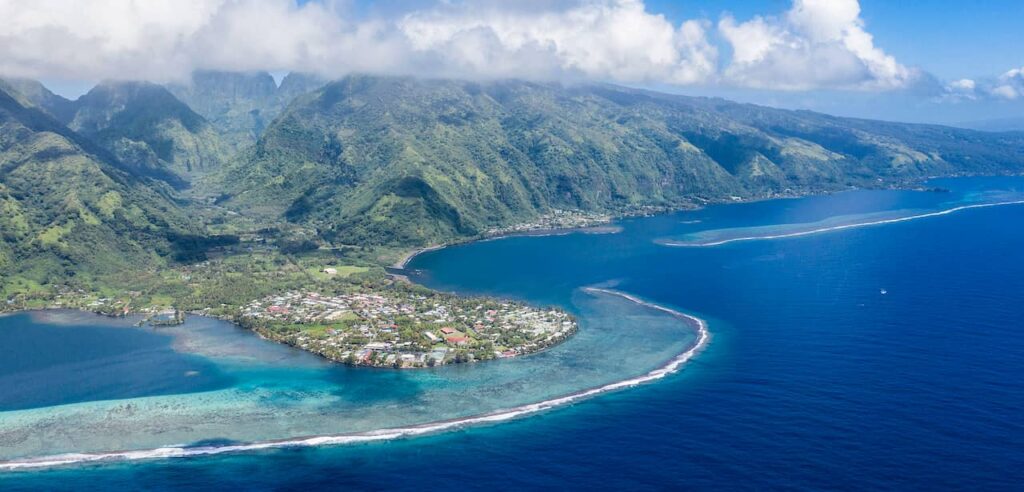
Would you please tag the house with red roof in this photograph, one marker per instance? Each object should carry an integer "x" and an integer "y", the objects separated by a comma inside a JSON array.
[{"x": 456, "y": 340}]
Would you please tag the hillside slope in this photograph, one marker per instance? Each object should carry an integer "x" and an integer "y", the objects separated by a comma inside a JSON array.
[
  {"x": 69, "y": 210},
  {"x": 34, "y": 93},
  {"x": 374, "y": 160},
  {"x": 147, "y": 128}
]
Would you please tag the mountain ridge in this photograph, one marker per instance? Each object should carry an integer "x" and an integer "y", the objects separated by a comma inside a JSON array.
[
  {"x": 146, "y": 126},
  {"x": 398, "y": 160},
  {"x": 68, "y": 211}
]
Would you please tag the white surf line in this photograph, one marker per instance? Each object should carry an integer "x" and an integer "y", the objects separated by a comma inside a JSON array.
[
  {"x": 677, "y": 244},
  {"x": 669, "y": 367}
]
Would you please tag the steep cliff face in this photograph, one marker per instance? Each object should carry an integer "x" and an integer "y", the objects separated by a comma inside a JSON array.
[{"x": 241, "y": 105}]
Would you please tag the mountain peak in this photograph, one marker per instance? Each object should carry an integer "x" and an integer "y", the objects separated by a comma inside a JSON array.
[
  {"x": 147, "y": 128},
  {"x": 36, "y": 94},
  {"x": 241, "y": 104}
]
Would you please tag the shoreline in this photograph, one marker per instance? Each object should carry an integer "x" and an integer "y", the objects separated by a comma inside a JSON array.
[
  {"x": 610, "y": 226},
  {"x": 404, "y": 260},
  {"x": 607, "y": 228},
  {"x": 669, "y": 367},
  {"x": 678, "y": 244}
]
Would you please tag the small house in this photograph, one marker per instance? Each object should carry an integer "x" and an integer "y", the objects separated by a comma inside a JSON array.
[{"x": 456, "y": 340}]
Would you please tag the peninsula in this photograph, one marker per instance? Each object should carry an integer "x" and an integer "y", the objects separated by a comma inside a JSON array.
[{"x": 405, "y": 328}]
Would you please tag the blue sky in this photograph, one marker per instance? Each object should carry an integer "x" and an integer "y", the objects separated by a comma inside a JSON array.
[
  {"x": 949, "y": 38},
  {"x": 929, "y": 61},
  {"x": 952, "y": 39}
]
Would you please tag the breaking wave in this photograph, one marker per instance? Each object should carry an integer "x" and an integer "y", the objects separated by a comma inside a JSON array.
[
  {"x": 687, "y": 244},
  {"x": 671, "y": 366}
]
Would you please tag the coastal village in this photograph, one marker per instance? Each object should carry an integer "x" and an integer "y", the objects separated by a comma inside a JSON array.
[
  {"x": 405, "y": 329},
  {"x": 393, "y": 325},
  {"x": 554, "y": 220},
  {"x": 348, "y": 314}
]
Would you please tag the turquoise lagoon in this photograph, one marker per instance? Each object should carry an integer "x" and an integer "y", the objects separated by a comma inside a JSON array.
[
  {"x": 207, "y": 386},
  {"x": 881, "y": 356}
]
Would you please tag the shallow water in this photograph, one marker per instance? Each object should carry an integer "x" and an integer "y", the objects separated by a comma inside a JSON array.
[
  {"x": 265, "y": 391},
  {"x": 53, "y": 358},
  {"x": 813, "y": 379}
]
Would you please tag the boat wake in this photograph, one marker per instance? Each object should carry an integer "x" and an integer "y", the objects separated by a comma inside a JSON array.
[
  {"x": 497, "y": 416},
  {"x": 686, "y": 244}
]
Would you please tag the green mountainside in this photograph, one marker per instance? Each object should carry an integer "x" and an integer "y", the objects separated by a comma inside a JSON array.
[
  {"x": 33, "y": 93},
  {"x": 147, "y": 128},
  {"x": 128, "y": 187},
  {"x": 383, "y": 160},
  {"x": 69, "y": 210},
  {"x": 241, "y": 105}
]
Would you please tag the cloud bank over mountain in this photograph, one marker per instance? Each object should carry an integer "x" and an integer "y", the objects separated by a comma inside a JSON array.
[
  {"x": 616, "y": 40},
  {"x": 815, "y": 44}
]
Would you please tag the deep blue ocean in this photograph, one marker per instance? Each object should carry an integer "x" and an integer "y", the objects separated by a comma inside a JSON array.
[{"x": 882, "y": 357}]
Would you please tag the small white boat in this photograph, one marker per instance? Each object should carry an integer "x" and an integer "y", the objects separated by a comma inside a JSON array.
[{"x": 883, "y": 292}]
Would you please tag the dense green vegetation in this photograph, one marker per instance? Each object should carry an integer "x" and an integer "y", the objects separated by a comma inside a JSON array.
[
  {"x": 33, "y": 93},
  {"x": 141, "y": 125},
  {"x": 68, "y": 212},
  {"x": 130, "y": 194},
  {"x": 371, "y": 160},
  {"x": 145, "y": 126}
]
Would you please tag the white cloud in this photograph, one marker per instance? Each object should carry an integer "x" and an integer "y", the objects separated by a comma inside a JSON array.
[
  {"x": 164, "y": 40},
  {"x": 1010, "y": 85},
  {"x": 963, "y": 84},
  {"x": 615, "y": 39},
  {"x": 816, "y": 44},
  {"x": 1006, "y": 92},
  {"x": 958, "y": 90}
]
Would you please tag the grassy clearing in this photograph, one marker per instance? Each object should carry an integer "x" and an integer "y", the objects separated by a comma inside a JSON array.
[
  {"x": 316, "y": 330},
  {"x": 343, "y": 271}
]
